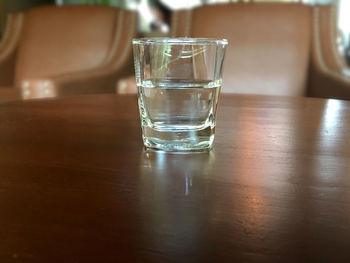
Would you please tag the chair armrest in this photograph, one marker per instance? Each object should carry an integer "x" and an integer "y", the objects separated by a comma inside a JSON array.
[
  {"x": 328, "y": 78},
  {"x": 330, "y": 84},
  {"x": 8, "y": 48}
]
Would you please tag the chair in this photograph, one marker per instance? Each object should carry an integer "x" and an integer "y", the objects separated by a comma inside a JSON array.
[
  {"x": 274, "y": 48},
  {"x": 55, "y": 51}
]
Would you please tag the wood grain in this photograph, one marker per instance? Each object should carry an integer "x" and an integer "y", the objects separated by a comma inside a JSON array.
[{"x": 76, "y": 184}]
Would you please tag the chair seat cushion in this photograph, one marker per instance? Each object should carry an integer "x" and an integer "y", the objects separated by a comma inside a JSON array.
[{"x": 9, "y": 94}]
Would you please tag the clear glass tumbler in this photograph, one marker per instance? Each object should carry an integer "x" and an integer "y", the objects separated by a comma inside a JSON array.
[{"x": 179, "y": 81}]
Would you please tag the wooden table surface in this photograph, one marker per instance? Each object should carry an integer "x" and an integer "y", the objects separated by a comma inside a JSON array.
[{"x": 77, "y": 186}]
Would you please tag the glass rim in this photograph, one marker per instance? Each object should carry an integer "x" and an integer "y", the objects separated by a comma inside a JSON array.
[{"x": 179, "y": 41}]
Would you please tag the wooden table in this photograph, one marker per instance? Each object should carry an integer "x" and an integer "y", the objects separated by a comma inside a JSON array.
[{"x": 77, "y": 186}]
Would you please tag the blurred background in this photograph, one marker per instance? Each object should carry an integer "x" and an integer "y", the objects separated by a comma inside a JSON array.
[
  {"x": 58, "y": 48},
  {"x": 154, "y": 15}
]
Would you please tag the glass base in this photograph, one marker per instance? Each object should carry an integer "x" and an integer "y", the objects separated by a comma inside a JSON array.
[{"x": 179, "y": 141}]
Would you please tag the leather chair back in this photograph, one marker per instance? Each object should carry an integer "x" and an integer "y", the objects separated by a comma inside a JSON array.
[
  {"x": 69, "y": 39},
  {"x": 269, "y": 44}
]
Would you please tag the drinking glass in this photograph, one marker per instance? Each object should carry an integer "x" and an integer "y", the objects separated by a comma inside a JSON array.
[{"x": 179, "y": 81}]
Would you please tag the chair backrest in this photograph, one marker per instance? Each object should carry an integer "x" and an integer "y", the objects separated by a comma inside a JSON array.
[
  {"x": 58, "y": 40},
  {"x": 269, "y": 44}
]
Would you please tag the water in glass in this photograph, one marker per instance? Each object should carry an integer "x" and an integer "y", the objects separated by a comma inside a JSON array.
[{"x": 178, "y": 115}]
